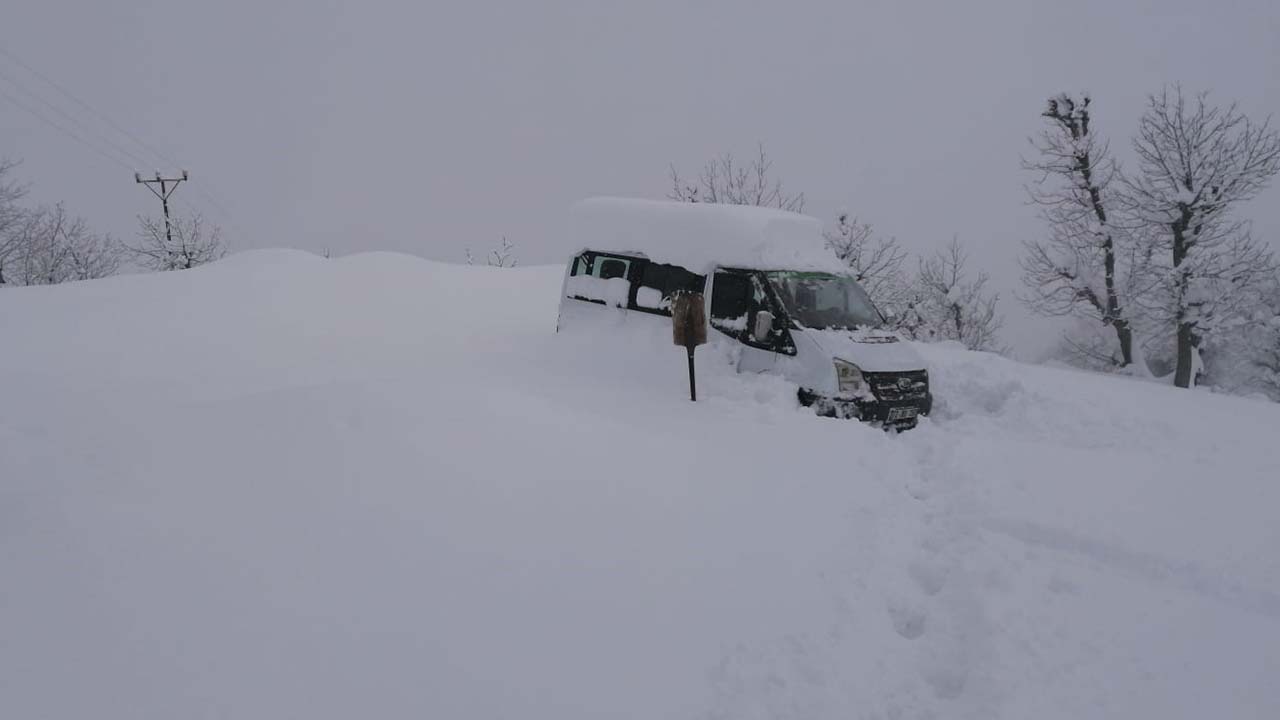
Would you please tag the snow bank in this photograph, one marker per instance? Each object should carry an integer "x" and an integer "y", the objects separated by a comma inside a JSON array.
[
  {"x": 699, "y": 235},
  {"x": 377, "y": 486},
  {"x": 610, "y": 291}
]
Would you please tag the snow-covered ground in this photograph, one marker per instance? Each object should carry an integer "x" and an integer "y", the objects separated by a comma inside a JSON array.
[{"x": 288, "y": 487}]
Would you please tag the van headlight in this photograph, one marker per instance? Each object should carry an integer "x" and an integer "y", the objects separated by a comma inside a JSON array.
[{"x": 849, "y": 377}]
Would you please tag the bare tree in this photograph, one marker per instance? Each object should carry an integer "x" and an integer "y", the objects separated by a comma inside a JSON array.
[
  {"x": 723, "y": 180},
  {"x": 1266, "y": 356},
  {"x": 953, "y": 306},
  {"x": 11, "y": 193},
  {"x": 1267, "y": 363},
  {"x": 1196, "y": 163},
  {"x": 91, "y": 255},
  {"x": 46, "y": 245},
  {"x": 1089, "y": 266},
  {"x": 1244, "y": 358},
  {"x": 192, "y": 244},
  {"x": 503, "y": 255},
  {"x": 32, "y": 259},
  {"x": 50, "y": 247},
  {"x": 876, "y": 262},
  {"x": 1089, "y": 346}
]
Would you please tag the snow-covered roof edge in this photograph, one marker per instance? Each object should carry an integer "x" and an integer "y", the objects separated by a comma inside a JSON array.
[{"x": 699, "y": 236}]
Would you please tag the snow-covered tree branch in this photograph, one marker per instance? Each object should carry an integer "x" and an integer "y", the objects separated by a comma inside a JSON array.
[
  {"x": 60, "y": 248},
  {"x": 46, "y": 245},
  {"x": 875, "y": 261},
  {"x": 1089, "y": 265},
  {"x": 11, "y": 193},
  {"x": 192, "y": 243},
  {"x": 1266, "y": 356},
  {"x": 502, "y": 256},
  {"x": 724, "y": 180},
  {"x": 1197, "y": 162},
  {"x": 951, "y": 305}
]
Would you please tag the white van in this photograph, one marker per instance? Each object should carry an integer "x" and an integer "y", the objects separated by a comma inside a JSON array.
[{"x": 772, "y": 287}]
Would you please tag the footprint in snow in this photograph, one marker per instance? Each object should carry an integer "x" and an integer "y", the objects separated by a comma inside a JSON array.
[{"x": 908, "y": 621}]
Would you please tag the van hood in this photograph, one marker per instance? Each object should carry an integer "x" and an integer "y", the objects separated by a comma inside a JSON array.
[{"x": 869, "y": 349}]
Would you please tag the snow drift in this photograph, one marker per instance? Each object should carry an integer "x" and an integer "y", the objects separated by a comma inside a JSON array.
[{"x": 282, "y": 486}]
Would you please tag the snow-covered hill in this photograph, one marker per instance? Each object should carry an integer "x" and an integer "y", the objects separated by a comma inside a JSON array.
[{"x": 283, "y": 486}]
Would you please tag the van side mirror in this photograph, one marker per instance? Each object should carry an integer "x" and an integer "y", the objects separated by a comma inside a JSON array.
[{"x": 762, "y": 327}]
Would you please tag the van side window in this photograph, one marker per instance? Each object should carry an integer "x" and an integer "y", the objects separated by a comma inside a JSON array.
[
  {"x": 600, "y": 279},
  {"x": 601, "y": 266},
  {"x": 611, "y": 268},
  {"x": 736, "y": 297},
  {"x": 731, "y": 294},
  {"x": 659, "y": 282}
]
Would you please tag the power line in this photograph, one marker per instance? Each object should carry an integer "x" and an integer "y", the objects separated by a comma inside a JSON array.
[
  {"x": 206, "y": 194},
  {"x": 95, "y": 148},
  {"x": 102, "y": 116},
  {"x": 44, "y": 118},
  {"x": 124, "y": 152},
  {"x": 212, "y": 200}
]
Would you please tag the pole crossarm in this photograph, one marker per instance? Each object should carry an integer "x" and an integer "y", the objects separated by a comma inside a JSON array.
[{"x": 165, "y": 189}]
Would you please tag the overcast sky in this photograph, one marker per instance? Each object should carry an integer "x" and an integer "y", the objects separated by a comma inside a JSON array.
[{"x": 432, "y": 127}]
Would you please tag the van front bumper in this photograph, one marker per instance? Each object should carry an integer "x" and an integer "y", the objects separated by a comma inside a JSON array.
[{"x": 898, "y": 413}]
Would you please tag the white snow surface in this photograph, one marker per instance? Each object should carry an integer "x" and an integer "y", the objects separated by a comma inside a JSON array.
[
  {"x": 283, "y": 486},
  {"x": 647, "y": 297},
  {"x": 611, "y": 291},
  {"x": 697, "y": 236}
]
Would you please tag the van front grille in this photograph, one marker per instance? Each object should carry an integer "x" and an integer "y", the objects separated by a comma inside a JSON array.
[{"x": 894, "y": 386}]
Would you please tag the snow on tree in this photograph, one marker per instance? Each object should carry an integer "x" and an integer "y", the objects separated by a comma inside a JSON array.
[
  {"x": 724, "y": 180},
  {"x": 503, "y": 255},
  {"x": 875, "y": 262},
  {"x": 47, "y": 246},
  {"x": 1266, "y": 356},
  {"x": 192, "y": 243},
  {"x": 1088, "y": 345},
  {"x": 1196, "y": 163},
  {"x": 1089, "y": 266},
  {"x": 950, "y": 305},
  {"x": 11, "y": 193},
  {"x": 1245, "y": 359}
]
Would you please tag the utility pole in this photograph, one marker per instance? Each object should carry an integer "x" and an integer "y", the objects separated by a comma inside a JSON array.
[{"x": 166, "y": 189}]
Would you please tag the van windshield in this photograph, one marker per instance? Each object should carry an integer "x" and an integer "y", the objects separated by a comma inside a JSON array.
[{"x": 823, "y": 300}]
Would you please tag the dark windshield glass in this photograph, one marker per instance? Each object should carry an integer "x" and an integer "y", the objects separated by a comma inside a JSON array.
[{"x": 820, "y": 300}]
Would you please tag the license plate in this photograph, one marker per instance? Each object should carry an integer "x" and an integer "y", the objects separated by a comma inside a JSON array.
[{"x": 902, "y": 413}]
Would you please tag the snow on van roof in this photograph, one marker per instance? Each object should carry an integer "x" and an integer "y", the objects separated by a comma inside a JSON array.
[{"x": 698, "y": 236}]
